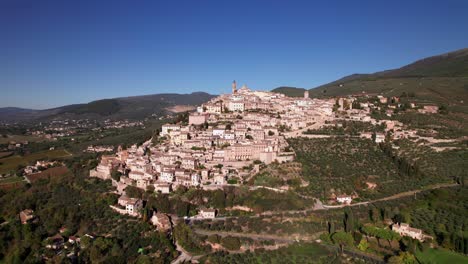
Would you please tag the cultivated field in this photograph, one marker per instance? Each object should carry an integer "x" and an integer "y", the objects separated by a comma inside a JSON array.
[
  {"x": 52, "y": 172},
  {"x": 11, "y": 163},
  {"x": 19, "y": 139}
]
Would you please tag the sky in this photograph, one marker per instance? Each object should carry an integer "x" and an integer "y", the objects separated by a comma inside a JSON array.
[{"x": 54, "y": 53}]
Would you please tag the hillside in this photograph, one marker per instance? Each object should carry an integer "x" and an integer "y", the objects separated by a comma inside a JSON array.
[
  {"x": 136, "y": 107},
  {"x": 290, "y": 91},
  {"x": 441, "y": 79}
]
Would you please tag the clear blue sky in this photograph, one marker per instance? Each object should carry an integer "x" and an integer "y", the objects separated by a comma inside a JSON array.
[{"x": 54, "y": 53}]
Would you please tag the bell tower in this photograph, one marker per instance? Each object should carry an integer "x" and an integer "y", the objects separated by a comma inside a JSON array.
[{"x": 234, "y": 87}]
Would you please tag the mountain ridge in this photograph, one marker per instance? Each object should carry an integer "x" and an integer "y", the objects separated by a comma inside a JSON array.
[
  {"x": 131, "y": 107},
  {"x": 441, "y": 79}
]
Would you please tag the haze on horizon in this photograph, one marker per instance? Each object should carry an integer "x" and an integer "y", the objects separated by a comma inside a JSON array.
[{"x": 54, "y": 53}]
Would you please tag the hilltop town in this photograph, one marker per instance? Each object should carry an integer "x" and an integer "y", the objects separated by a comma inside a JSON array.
[
  {"x": 220, "y": 140},
  {"x": 244, "y": 161},
  {"x": 227, "y": 139}
]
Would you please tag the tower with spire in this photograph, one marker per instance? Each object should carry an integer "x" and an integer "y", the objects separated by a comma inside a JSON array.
[{"x": 234, "y": 87}]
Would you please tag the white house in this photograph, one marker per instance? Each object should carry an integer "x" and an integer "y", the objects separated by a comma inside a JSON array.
[
  {"x": 207, "y": 213},
  {"x": 405, "y": 230},
  {"x": 346, "y": 199}
]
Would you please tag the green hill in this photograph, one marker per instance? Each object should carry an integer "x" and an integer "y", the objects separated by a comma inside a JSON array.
[
  {"x": 441, "y": 79},
  {"x": 135, "y": 107},
  {"x": 290, "y": 91},
  {"x": 100, "y": 107}
]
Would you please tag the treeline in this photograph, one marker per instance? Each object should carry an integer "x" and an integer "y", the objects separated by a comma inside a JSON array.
[{"x": 404, "y": 166}]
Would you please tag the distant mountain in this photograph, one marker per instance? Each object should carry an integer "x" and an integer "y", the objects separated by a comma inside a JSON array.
[
  {"x": 440, "y": 79},
  {"x": 290, "y": 91},
  {"x": 135, "y": 107}
]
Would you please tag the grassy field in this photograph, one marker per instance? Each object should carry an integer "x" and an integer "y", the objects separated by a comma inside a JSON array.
[
  {"x": 440, "y": 256},
  {"x": 11, "y": 163}
]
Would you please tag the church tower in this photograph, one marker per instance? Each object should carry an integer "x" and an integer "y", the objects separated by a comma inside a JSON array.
[
  {"x": 234, "y": 87},
  {"x": 306, "y": 94}
]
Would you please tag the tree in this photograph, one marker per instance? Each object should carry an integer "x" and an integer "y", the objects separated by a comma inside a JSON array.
[
  {"x": 398, "y": 218},
  {"x": 402, "y": 258},
  {"x": 342, "y": 239},
  {"x": 331, "y": 227},
  {"x": 219, "y": 199},
  {"x": 363, "y": 245},
  {"x": 163, "y": 204},
  {"x": 348, "y": 220},
  {"x": 231, "y": 243},
  {"x": 115, "y": 174},
  {"x": 181, "y": 208},
  {"x": 133, "y": 192}
]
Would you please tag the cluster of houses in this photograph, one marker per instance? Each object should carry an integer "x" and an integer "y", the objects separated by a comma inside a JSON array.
[
  {"x": 13, "y": 145},
  {"x": 95, "y": 149},
  {"x": 221, "y": 139},
  {"x": 228, "y": 134},
  {"x": 40, "y": 165}
]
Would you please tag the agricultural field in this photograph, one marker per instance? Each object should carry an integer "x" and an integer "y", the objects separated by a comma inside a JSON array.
[
  {"x": 5, "y": 139},
  {"x": 347, "y": 128},
  {"x": 296, "y": 253},
  {"x": 5, "y": 154},
  {"x": 444, "y": 165},
  {"x": 277, "y": 175},
  {"x": 11, "y": 163},
  {"x": 12, "y": 179},
  {"x": 11, "y": 183},
  {"x": 445, "y": 126},
  {"x": 49, "y": 173},
  {"x": 346, "y": 165}
]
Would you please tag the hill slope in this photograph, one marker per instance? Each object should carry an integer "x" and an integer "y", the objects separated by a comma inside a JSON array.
[
  {"x": 290, "y": 91},
  {"x": 440, "y": 79},
  {"x": 136, "y": 107}
]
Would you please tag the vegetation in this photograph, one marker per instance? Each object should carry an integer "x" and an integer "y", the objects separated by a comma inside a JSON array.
[
  {"x": 353, "y": 128},
  {"x": 343, "y": 166},
  {"x": 296, "y": 253},
  {"x": 81, "y": 205},
  {"x": 439, "y": 256},
  {"x": 290, "y": 91},
  {"x": 12, "y": 163}
]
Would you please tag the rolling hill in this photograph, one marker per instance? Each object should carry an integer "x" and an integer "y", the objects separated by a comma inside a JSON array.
[
  {"x": 136, "y": 107},
  {"x": 290, "y": 91},
  {"x": 441, "y": 79}
]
